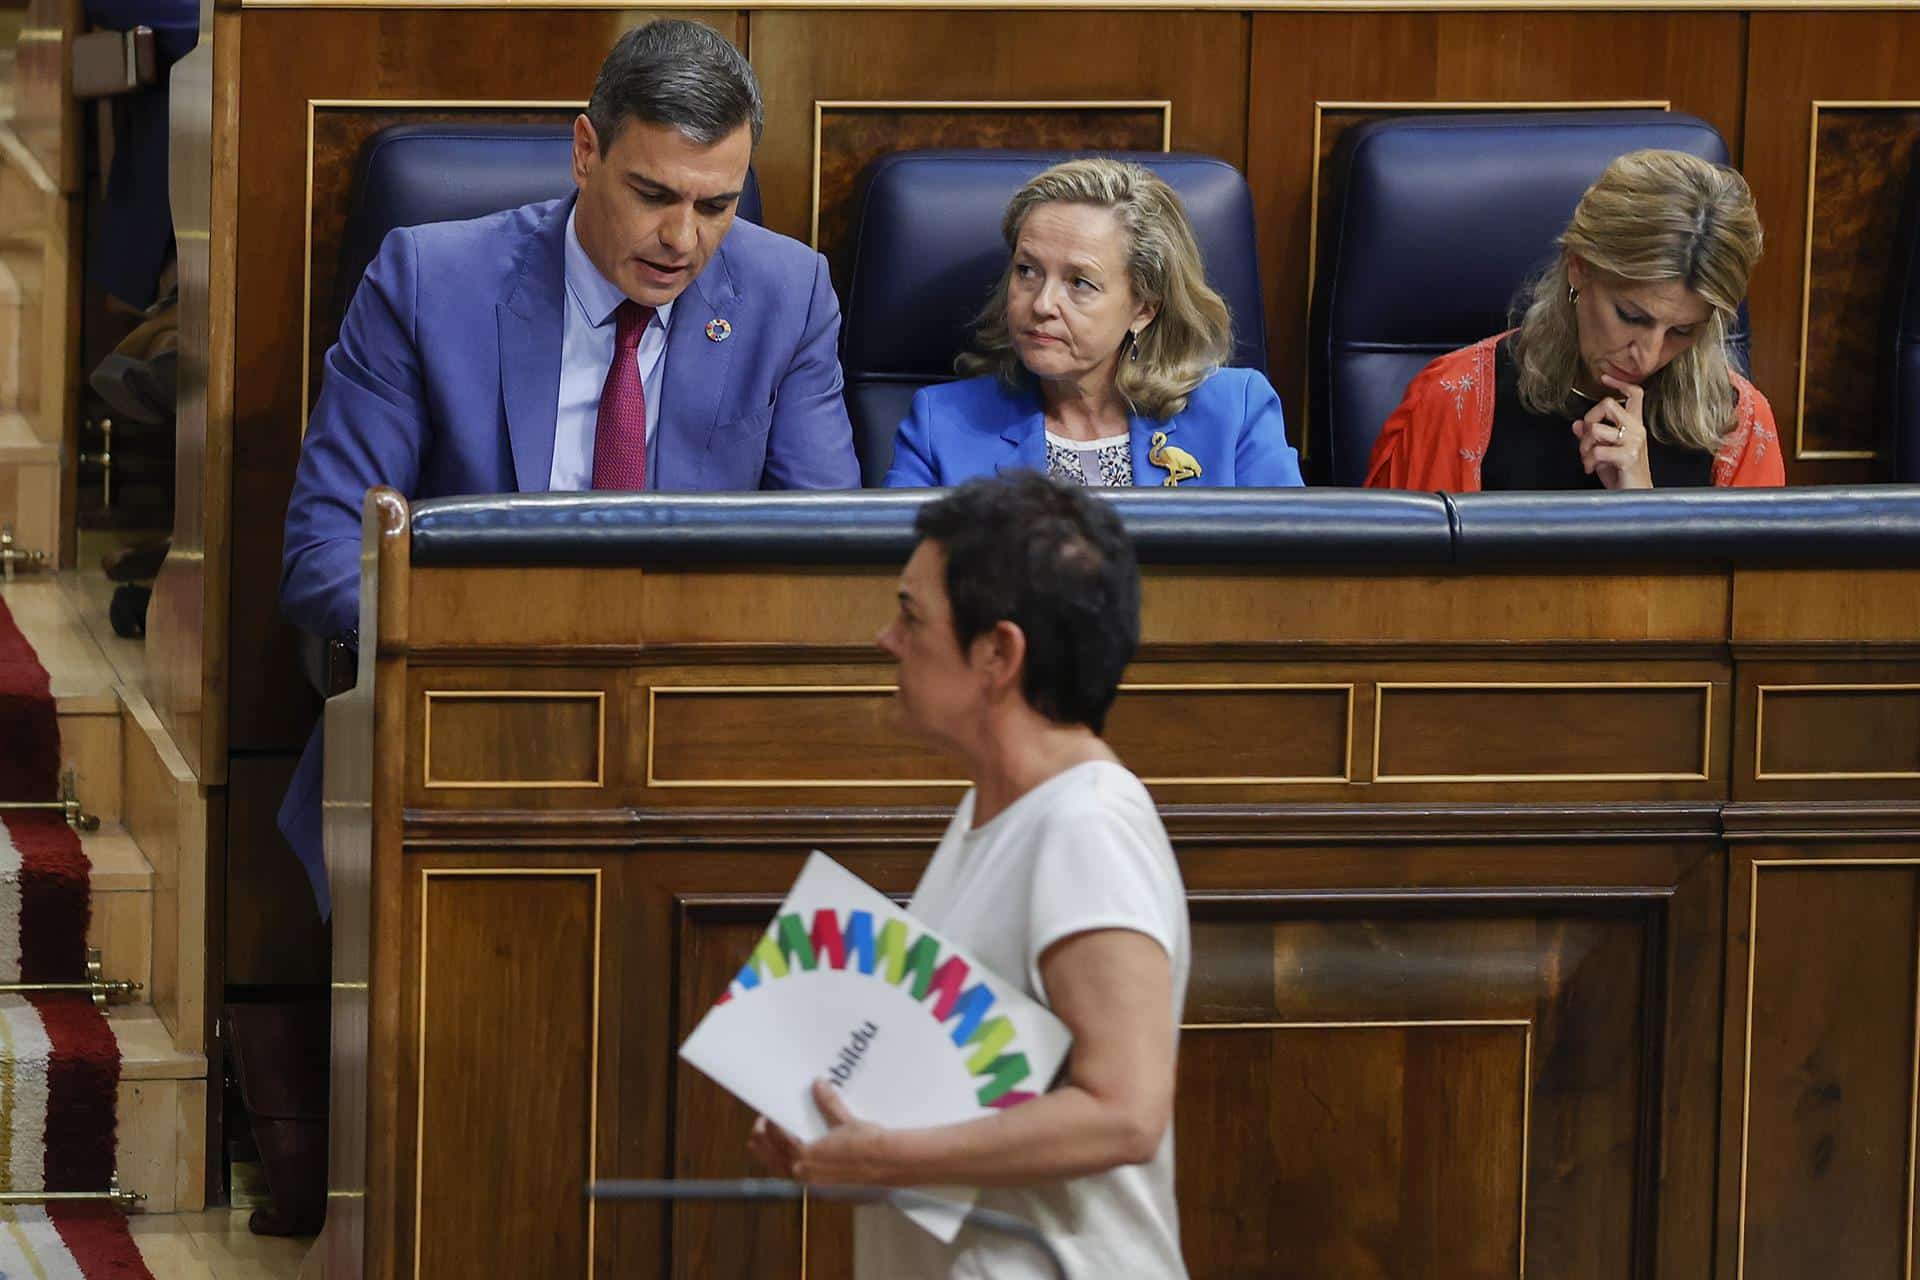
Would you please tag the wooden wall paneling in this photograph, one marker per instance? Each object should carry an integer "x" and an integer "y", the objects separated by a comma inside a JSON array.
[
  {"x": 1827, "y": 208},
  {"x": 507, "y": 1070},
  {"x": 1827, "y": 731},
  {"x": 1253, "y": 731},
  {"x": 1324, "y": 1001},
  {"x": 291, "y": 59},
  {"x": 1387, "y": 1065},
  {"x": 1196, "y": 62},
  {"x": 187, "y": 635},
  {"x": 532, "y": 737},
  {"x": 1379, "y": 62},
  {"x": 363, "y": 821},
  {"x": 274, "y": 935},
  {"x": 1848, "y": 612},
  {"x": 46, "y": 116},
  {"x": 838, "y": 611},
  {"x": 850, "y": 135},
  {"x": 1821, "y": 1060},
  {"x": 710, "y": 1125},
  {"x": 1860, "y": 170},
  {"x": 1389, "y": 1149}
]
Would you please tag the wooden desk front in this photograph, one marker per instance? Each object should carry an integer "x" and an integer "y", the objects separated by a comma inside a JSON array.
[{"x": 1545, "y": 923}]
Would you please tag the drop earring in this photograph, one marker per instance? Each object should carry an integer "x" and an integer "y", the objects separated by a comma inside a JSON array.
[
  {"x": 1133, "y": 345},
  {"x": 1573, "y": 294}
]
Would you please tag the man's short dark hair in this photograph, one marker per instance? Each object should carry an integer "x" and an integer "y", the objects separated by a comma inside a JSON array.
[
  {"x": 1056, "y": 562},
  {"x": 678, "y": 73}
]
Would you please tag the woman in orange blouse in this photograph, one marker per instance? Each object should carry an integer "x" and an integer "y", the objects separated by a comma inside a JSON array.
[{"x": 1618, "y": 374}]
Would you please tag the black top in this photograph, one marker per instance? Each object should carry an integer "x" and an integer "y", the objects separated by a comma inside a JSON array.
[{"x": 1530, "y": 450}]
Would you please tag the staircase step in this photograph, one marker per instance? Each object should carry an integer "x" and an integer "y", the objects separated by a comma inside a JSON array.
[
  {"x": 18, "y": 443},
  {"x": 121, "y": 925},
  {"x": 162, "y": 1141},
  {"x": 52, "y": 615},
  {"x": 118, "y": 865},
  {"x": 146, "y": 1047}
]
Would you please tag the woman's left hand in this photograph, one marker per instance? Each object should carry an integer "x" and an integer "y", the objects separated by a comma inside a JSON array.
[{"x": 1613, "y": 438}]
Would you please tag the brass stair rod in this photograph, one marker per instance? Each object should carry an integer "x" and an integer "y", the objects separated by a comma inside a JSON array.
[
  {"x": 101, "y": 991},
  {"x": 68, "y": 803},
  {"x": 114, "y": 1192},
  {"x": 95, "y": 984},
  {"x": 12, "y": 554}
]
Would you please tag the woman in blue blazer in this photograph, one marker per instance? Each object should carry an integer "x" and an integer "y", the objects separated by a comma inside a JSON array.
[{"x": 1101, "y": 354}]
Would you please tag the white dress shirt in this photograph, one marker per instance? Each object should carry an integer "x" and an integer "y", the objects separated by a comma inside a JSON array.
[{"x": 586, "y": 350}]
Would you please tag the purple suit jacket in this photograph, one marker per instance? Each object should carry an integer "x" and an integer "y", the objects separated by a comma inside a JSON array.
[{"x": 446, "y": 380}]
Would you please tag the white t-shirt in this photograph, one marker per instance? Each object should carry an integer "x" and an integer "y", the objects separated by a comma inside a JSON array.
[{"x": 1084, "y": 850}]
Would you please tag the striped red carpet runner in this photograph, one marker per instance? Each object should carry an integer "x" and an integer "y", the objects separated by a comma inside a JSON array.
[{"x": 59, "y": 1067}]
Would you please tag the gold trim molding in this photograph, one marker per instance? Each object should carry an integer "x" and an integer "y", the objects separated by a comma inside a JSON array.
[
  {"x": 1610, "y": 686},
  {"x": 1320, "y": 110},
  {"x": 1746, "y": 1064},
  {"x": 316, "y": 105},
  {"x": 654, "y": 693},
  {"x": 1760, "y": 733},
  {"x": 427, "y": 876},
  {"x": 596, "y": 696},
  {"x": 823, "y": 105},
  {"x": 1800, "y": 450},
  {"x": 653, "y": 780}
]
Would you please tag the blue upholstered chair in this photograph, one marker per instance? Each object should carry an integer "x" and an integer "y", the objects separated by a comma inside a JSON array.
[
  {"x": 1902, "y": 406},
  {"x": 416, "y": 173},
  {"x": 928, "y": 252},
  {"x": 1438, "y": 220}
]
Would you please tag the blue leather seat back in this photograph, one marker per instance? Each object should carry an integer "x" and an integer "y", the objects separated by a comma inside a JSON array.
[
  {"x": 416, "y": 173},
  {"x": 1903, "y": 326},
  {"x": 1438, "y": 222},
  {"x": 928, "y": 253}
]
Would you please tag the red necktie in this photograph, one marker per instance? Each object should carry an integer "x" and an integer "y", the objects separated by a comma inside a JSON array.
[{"x": 620, "y": 432}]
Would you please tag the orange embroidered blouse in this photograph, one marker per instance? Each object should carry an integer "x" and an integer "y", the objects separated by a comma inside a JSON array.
[{"x": 1437, "y": 437}]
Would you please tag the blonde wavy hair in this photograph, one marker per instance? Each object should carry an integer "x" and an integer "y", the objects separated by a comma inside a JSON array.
[
  {"x": 1653, "y": 217},
  {"x": 1192, "y": 334}
]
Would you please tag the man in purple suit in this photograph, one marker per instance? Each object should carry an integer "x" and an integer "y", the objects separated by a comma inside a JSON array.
[{"x": 633, "y": 336}]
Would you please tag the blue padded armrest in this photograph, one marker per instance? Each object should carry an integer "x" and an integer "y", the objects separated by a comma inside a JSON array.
[
  {"x": 1223, "y": 526},
  {"x": 1868, "y": 524},
  {"x": 1657, "y": 528}
]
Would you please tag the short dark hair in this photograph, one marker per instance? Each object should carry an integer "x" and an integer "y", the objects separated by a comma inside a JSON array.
[
  {"x": 676, "y": 72},
  {"x": 1057, "y": 563}
]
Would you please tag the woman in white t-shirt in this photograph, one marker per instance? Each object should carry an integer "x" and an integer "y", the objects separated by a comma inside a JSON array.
[{"x": 1019, "y": 610}]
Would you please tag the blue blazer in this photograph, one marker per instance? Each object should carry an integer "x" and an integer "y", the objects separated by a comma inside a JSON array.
[
  {"x": 1232, "y": 426},
  {"x": 446, "y": 380}
]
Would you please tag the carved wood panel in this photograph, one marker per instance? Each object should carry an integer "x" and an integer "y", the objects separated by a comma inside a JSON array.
[
  {"x": 1842, "y": 182},
  {"x": 848, "y": 136},
  {"x": 1431, "y": 1086},
  {"x": 507, "y": 1072},
  {"x": 1818, "y": 1155},
  {"x": 1862, "y": 168}
]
